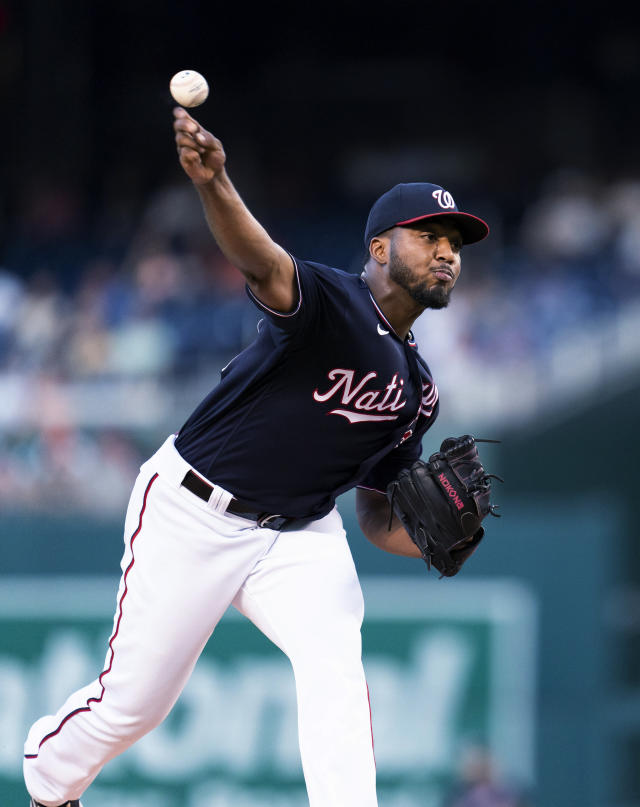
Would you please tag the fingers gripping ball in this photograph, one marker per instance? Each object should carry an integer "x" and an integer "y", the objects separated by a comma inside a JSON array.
[
  {"x": 442, "y": 503},
  {"x": 189, "y": 88}
]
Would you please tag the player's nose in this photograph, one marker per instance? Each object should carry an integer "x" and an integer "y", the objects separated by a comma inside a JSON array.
[{"x": 444, "y": 250}]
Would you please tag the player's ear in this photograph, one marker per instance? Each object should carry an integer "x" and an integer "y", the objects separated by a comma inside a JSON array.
[{"x": 379, "y": 248}]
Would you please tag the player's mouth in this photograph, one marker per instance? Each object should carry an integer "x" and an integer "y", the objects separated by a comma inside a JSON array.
[{"x": 443, "y": 273}]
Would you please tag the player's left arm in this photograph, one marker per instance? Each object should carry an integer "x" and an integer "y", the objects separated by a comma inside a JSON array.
[{"x": 373, "y": 511}]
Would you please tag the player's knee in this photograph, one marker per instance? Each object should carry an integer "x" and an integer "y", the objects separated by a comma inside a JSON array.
[{"x": 334, "y": 652}]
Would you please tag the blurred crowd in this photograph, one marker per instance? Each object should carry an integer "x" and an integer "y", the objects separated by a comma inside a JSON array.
[
  {"x": 150, "y": 298},
  {"x": 166, "y": 301},
  {"x": 154, "y": 300}
]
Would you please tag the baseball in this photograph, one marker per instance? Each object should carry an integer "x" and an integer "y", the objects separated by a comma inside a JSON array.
[{"x": 189, "y": 88}]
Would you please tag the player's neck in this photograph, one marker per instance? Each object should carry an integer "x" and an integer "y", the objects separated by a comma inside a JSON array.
[{"x": 398, "y": 307}]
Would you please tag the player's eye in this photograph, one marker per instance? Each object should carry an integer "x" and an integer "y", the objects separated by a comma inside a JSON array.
[{"x": 456, "y": 243}]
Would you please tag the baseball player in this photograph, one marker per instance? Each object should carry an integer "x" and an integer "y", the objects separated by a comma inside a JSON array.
[{"x": 239, "y": 509}]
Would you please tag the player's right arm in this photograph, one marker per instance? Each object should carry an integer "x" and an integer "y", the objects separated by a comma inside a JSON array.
[{"x": 268, "y": 269}]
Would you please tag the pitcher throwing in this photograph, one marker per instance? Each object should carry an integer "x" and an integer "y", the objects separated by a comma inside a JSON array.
[{"x": 239, "y": 509}]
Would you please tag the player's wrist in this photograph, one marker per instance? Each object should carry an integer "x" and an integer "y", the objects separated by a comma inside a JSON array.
[{"x": 218, "y": 185}]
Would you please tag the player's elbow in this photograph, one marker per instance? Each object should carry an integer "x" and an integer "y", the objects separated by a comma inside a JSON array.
[
  {"x": 372, "y": 511},
  {"x": 379, "y": 526}
]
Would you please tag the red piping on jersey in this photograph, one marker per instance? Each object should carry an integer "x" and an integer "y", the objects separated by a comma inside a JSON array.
[
  {"x": 280, "y": 313},
  {"x": 373, "y": 490},
  {"x": 371, "y": 724},
  {"x": 87, "y": 708}
]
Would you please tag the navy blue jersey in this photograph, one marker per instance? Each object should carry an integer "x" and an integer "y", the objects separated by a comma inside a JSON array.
[{"x": 326, "y": 398}]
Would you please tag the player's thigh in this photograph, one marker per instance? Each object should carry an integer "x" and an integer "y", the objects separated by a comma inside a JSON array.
[
  {"x": 182, "y": 566},
  {"x": 305, "y": 592}
]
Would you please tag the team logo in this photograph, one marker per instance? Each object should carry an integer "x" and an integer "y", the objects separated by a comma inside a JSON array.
[
  {"x": 382, "y": 331},
  {"x": 443, "y": 198},
  {"x": 365, "y": 404},
  {"x": 429, "y": 399}
]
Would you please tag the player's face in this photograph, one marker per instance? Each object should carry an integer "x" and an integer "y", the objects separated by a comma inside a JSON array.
[{"x": 424, "y": 259}]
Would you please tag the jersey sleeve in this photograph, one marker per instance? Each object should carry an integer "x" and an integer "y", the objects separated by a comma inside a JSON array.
[
  {"x": 388, "y": 468},
  {"x": 319, "y": 291}
]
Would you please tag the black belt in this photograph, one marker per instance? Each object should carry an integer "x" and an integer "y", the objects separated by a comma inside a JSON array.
[{"x": 203, "y": 491}]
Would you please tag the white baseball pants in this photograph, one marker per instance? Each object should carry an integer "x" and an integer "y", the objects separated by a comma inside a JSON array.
[{"x": 185, "y": 562}]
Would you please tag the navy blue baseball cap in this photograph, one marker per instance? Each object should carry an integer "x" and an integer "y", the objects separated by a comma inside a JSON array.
[{"x": 415, "y": 201}]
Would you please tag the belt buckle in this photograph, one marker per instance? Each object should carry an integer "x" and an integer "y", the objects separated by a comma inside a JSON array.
[{"x": 263, "y": 521}]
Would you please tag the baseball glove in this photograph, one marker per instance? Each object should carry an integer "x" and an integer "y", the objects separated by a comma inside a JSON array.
[{"x": 441, "y": 503}]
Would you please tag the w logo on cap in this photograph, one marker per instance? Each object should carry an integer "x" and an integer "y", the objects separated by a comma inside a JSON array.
[
  {"x": 409, "y": 202},
  {"x": 443, "y": 198}
]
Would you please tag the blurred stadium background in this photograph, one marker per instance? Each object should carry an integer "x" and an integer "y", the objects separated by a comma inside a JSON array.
[{"x": 117, "y": 312}]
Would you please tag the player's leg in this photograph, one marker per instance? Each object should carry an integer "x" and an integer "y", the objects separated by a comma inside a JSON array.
[
  {"x": 305, "y": 596},
  {"x": 182, "y": 565}
]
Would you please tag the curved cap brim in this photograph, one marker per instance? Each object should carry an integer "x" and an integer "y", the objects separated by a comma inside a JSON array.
[{"x": 471, "y": 228}]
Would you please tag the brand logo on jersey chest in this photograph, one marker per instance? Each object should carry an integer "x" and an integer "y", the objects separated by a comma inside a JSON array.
[{"x": 366, "y": 404}]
